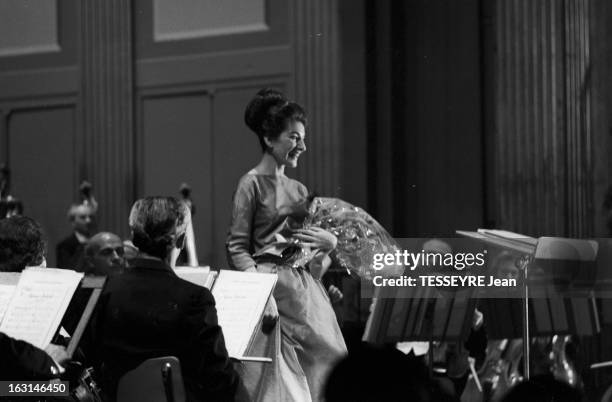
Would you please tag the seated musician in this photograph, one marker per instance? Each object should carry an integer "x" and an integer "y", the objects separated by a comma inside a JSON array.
[
  {"x": 149, "y": 312},
  {"x": 104, "y": 255},
  {"x": 22, "y": 245}
]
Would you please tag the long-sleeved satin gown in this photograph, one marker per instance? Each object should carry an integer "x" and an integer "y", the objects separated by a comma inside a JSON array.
[{"x": 307, "y": 341}]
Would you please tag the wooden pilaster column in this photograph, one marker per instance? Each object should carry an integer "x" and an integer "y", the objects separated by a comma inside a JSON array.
[
  {"x": 106, "y": 100},
  {"x": 316, "y": 67}
]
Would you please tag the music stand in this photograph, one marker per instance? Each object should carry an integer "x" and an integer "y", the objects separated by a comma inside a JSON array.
[
  {"x": 96, "y": 283},
  {"x": 419, "y": 314},
  {"x": 574, "y": 315}
]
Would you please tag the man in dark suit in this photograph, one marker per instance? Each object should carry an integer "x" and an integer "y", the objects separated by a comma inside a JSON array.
[
  {"x": 22, "y": 245},
  {"x": 149, "y": 312},
  {"x": 69, "y": 251}
]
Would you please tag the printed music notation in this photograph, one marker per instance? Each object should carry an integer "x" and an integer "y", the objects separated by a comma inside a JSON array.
[
  {"x": 241, "y": 298},
  {"x": 38, "y": 304},
  {"x": 8, "y": 284},
  {"x": 6, "y": 294}
]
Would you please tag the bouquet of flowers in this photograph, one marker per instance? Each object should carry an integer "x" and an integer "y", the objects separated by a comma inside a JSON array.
[{"x": 359, "y": 235}]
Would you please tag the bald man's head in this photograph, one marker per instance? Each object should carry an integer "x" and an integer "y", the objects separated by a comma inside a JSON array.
[{"x": 104, "y": 254}]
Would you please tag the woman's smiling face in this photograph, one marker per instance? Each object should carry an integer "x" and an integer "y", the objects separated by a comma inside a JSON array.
[{"x": 286, "y": 149}]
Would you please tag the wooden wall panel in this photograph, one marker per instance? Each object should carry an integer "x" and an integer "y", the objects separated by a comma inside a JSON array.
[
  {"x": 176, "y": 145},
  {"x": 213, "y": 69},
  {"x": 190, "y": 19},
  {"x": 278, "y": 33},
  {"x": 18, "y": 85},
  {"x": 41, "y": 149},
  {"x": 28, "y": 29},
  {"x": 62, "y": 44}
]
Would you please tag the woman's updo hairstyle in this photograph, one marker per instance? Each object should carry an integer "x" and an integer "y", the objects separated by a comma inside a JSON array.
[
  {"x": 269, "y": 113},
  {"x": 156, "y": 224}
]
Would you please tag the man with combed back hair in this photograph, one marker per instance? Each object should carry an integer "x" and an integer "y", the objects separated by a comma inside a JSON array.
[{"x": 149, "y": 312}]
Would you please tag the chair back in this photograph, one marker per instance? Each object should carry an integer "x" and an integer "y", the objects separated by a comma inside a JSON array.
[
  {"x": 155, "y": 380},
  {"x": 607, "y": 396}
]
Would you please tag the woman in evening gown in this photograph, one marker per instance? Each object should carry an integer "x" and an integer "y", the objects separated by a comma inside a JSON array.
[{"x": 269, "y": 233}]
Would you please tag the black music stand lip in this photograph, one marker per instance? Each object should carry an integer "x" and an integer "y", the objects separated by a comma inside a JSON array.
[{"x": 87, "y": 282}]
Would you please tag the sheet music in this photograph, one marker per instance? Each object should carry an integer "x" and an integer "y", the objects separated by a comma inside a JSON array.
[
  {"x": 9, "y": 278},
  {"x": 39, "y": 303},
  {"x": 241, "y": 298},
  {"x": 201, "y": 276},
  {"x": 8, "y": 284},
  {"x": 6, "y": 293}
]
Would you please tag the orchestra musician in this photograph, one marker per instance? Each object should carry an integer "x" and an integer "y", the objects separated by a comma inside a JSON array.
[
  {"x": 148, "y": 311},
  {"x": 82, "y": 217},
  {"x": 104, "y": 255},
  {"x": 268, "y": 208},
  {"x": 22, "y": 245}
]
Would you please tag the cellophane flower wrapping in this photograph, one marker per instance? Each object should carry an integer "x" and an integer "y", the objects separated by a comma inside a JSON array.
[{"x": 359, "y": 235}]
